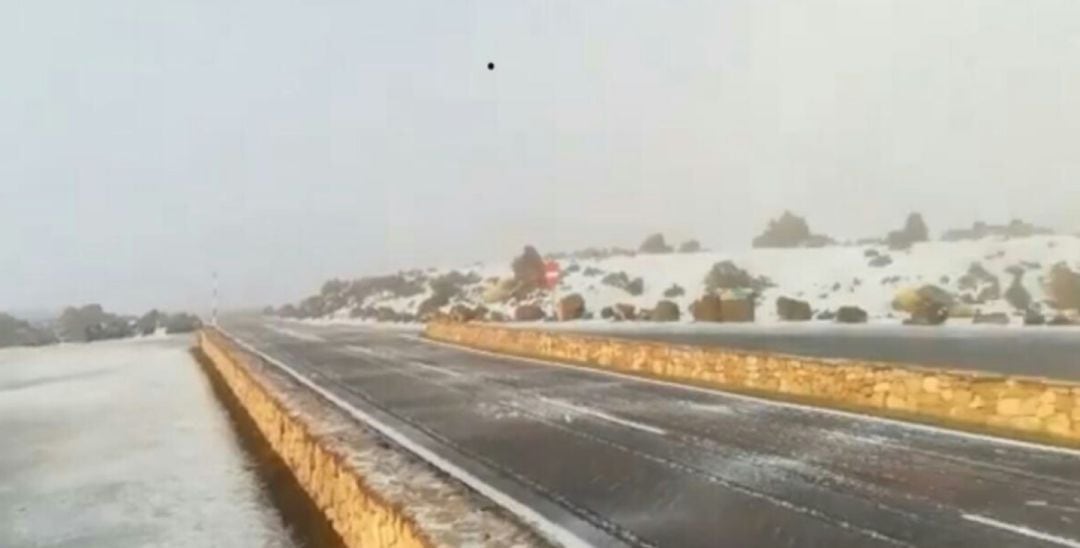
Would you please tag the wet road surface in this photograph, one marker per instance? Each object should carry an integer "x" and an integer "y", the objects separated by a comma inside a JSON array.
[{"x": 623, "y": 461}]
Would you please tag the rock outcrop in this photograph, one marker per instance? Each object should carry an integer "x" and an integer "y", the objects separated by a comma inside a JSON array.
[
  {"x": 850, "y": 314},
  {"x": 665, "y": 311},
  {"x": 655, "y": 244},
  {"x": 571, "y": 307},
  {"x": 789, "y": 309}
]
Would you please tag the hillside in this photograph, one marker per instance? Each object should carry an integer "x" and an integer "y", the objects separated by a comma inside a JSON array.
[{"x": 974, "y": 276}]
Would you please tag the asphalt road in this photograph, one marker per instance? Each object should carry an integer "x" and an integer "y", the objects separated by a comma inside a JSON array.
[
  {"x": 624, "y": 461},
  {"x": 1052, "y": 352}
]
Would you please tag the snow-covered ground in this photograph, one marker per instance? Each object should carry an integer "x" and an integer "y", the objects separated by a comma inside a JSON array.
[
  {"x": 827, "y": 278},
  {"x": 122, "y": 443}
]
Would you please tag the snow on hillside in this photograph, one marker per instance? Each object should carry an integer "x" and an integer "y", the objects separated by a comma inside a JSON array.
[{"x": 827, "y": 277}]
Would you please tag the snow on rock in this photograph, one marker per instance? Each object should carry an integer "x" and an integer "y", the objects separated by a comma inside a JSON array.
[
  {"x": 867, "y": 276},
  {"x": 122, "y": 443}
]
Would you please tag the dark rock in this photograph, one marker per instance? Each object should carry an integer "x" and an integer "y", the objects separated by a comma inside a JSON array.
[
  {"x": 826, "y": 315},
  {"x": 572, "y": 268},
  {"x": 607, "y": 313},
  {"x": 793, "y": 309},
  {"x": 707, "y": 309},
  {"x": 726, "y": 275},
  {"x": 528, "y": 313},
  {"x": 462, "y": 313},
  {"x": 385, "y": 314},
  {"x": 869, "y": 253},
  {"x": 1063, "y": 287},
  {"x": 1060, "y": 320},
  {"x": 880, "y": 261},
  {"x": 851, "y": 314},
  {"x": 18, "y": 332},
  {"x": 665, "y": 311},
  {"x": 181, "y": 322},
  {"x": 655, "y": 244},
  {"x": 789, "y": 230},
  {"x": 149, "y": 322},
  {"x": 914, "y": 231},
  {"x": 675, "y": 290},
  {"x": 737, "y": 310},
  {"x": 1032, "y": 317},
  {"x": 624, "y": 311},
  {"x": 592, "y": 271},
  {"x": 529, "y": 269},
  {"x": 620, "y": 280},
  {"x": 571, "y": 307},
  {"x": 1016, "y": 295},
  {"x": 690, "y": 246},
  {"x": 496, "y": 316}
]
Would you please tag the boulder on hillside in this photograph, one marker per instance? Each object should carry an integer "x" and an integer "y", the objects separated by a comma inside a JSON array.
[
  {"x": 789, "y": 309},
  {"x": 498, "y": 317},
  {"x": 18, "y": 332},
  {"x": 1063, "y": 287},
  {"x": 182, "y": 322},
  {"x": 655, "y": 244},
  {"x": 914, "y": 230},
  {"x": 500, "y": 290},
  {"x": 1016, "y": 295},
  {"x": 462, "y": 313},
  {"x": 528, "y": 269},
  {"x": 90, "y": 323},
  {"x": 707, "y": 309},
  {"x": 675, "y": 290},
  {"x": 789, "y": 230},
  {"x": 1032, "y": 317},
  {"x": 690, "y": 246},
  {"x": 1015, "y": 229},
  {"x": 927, "y": 305},
  {"x": 528, "y": 313},
  {"x": 591, "y": 271},
  {"x": 737, "y": 310},
  {"x": 607, "y": 313},
  {"x": 1060, "y": 319},
  {"x": 624, "y": 311},
  {"x": 385, "y": 314},
  {"x": 665, "y": 311},
  {"x": 879, "y": 261},
  {"x": 979, "y": 285},
  {"x": 851, "y": 314},
  {"x": 620, "y": 280},
  {"x": 148, "y": 323},
  {"x": 726, "y": 275},
  {"x": 571, "y": 307}
]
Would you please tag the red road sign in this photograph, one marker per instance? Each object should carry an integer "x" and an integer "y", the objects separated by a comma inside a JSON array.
[{"x": 551, "y": 273}]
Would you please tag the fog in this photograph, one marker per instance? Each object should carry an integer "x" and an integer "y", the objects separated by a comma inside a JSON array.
[{"x": 144, "y": 145}]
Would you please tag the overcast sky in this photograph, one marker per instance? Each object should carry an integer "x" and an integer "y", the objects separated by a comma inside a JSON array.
[{"x": 144, "y": 144}]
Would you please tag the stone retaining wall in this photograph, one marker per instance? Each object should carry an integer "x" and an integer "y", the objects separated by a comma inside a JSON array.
[
  {"x": 360, "y": 516},
  {"x": 1013, "y": 406}
]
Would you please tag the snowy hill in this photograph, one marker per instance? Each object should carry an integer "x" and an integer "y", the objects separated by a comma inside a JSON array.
[{"x": 977, "y": 274}]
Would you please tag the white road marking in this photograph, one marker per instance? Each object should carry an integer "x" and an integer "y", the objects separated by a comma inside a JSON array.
[
  {"x": 552, "y": 531},
  {"x": 1025, "y": 531},
  {"x": 760, "y": 400},
  {"x": 296, "y": 334},
  {"x": 370, "y": 352},
  {"x": 604, "y": 416}
]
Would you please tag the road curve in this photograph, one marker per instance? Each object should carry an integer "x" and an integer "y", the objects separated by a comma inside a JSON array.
[{"x": 624, "y": 461}]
